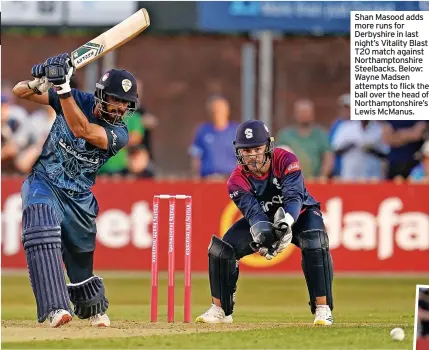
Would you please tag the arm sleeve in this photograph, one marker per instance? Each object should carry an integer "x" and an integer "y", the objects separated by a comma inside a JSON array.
[
  {"x": 79, "y": 96},
  {"x": 240, "y": 192},
  {"x": 54, "y": 101},
  {"x": 292, "y": 185},
  {"x": 117, "y": 138}
]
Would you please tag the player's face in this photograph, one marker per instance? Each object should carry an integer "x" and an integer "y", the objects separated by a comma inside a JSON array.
[
  {"x": 254, "y": 157},
  {"x": 116, "y": 107},
  {"x": 113, "y": 109}
]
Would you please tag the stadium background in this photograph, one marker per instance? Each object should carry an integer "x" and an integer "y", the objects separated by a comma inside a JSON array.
[
  {"x": 263, "y": 57},
  {"x": 193, "y": 50}
]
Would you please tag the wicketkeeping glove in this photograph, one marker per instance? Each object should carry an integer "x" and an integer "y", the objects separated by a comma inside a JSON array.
[
  {"x": 263, "y": 235},
  {"x": 283, "y": 229},
  {"x": 283, "y": 226}
]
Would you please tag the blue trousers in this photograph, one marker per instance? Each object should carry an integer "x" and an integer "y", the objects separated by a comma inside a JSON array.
[{"x": 77, "y": 213}]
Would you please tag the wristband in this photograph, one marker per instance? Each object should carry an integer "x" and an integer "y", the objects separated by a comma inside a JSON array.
[
  {"x": 64, "y": 95},
  {"x": 63, "y": 88}
]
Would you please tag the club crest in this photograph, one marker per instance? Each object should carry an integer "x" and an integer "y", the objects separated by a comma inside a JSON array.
[{"x": 126, "y": 84}]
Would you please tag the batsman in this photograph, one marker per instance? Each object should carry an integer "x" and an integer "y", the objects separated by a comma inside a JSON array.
[
  {"x": 59, "y": 209},
  {"x": 268, "y": 188}
]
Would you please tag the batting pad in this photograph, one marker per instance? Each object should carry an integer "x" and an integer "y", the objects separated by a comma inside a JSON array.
[{"x": 41, "y": 237}]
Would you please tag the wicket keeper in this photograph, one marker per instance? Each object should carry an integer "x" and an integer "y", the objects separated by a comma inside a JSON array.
[
  {"x": 268, "y": 188},
  {"x": 59, "y": 209}
]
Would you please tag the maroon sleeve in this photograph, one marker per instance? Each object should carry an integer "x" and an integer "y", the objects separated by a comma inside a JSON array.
[{"x": 286, "y": 166}]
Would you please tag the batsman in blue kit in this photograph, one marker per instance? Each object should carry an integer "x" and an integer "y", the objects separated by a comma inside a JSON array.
[
  {"x": 268, "y": 188},
  {"x": 59, "y": 209}
]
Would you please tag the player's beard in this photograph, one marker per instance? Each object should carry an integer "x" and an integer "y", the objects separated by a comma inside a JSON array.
[
  {"x": 255, "y": 165},
  {"x": 113, "y": 116}
]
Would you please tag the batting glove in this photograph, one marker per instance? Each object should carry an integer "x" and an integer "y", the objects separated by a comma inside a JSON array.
[
  {"x": 38, "y": 70},
  {"x": 59, "y": 70},
  {"x": 40, "y": 85}
]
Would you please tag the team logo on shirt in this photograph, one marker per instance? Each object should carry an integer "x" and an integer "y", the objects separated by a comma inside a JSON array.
[
  {"x": 293, "y": 167},
  {"x": 115, "y": 137},
  {"x": 266, "y": 206},
  {"x": 276, "y": 183},
  {"x": 233, "y": 194},
  {"x": 83, "y": 156}
]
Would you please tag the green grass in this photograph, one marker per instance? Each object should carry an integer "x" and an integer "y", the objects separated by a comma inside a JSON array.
[{"x": 271, "y": 312}]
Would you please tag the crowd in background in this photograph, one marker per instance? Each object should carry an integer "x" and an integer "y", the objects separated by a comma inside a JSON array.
[{"x": 349, "y": 150}]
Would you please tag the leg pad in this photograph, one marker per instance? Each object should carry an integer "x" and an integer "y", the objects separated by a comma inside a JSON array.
[
  {"x": 223, "y": 273},
  {"x": 317, "y": 266}
]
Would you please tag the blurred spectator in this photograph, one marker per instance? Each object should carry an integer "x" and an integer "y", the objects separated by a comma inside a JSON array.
[
  {"x": 16, "y": 113},
  {"x": 308, "y": 141},
  {"x": 421, "y": 171},
  {"x": 212, "y": 151},
  {"x": 40, "y": 124},
  {"x": 17, "y": 117},
  {"x": 363, "y": 153},
  {"x": 118, "y": 163},
  {"x": 14, "y": 133},
  {"x": 343, "y": 104},
  {"x": 405, "y": 138},
  {"x": 9, "y": 148},
  {"x": 150, "y": 122},
  {"x": 139, "y": 164}
]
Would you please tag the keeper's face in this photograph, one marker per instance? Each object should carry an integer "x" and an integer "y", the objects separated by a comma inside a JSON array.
[{"x": 253, "y": 157}]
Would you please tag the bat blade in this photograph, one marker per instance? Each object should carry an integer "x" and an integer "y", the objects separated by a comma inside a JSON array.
[{"x": 111, "y": 39}]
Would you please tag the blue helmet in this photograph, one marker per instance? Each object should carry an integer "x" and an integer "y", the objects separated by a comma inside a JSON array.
[
  {"x": 120, "y": 84},
  {"x": 251, "y": 134}
]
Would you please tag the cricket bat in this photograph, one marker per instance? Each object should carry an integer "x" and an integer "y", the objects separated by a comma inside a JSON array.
[{"x": 117, "y": 36}]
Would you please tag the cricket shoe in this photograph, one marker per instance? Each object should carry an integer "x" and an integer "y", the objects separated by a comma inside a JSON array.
[
  {"x": 214, "y": 315},
  {"x": 99, "y": 320},
  {"x": 323, "y": 316},
  {"x": 59, "y": 317}
]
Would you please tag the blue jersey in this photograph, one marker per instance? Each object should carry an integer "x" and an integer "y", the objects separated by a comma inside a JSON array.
[
  {"x": 214, "y": 149},
  {"x": 70, "y": 162},
  {"x": 258, "y": 198}
]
